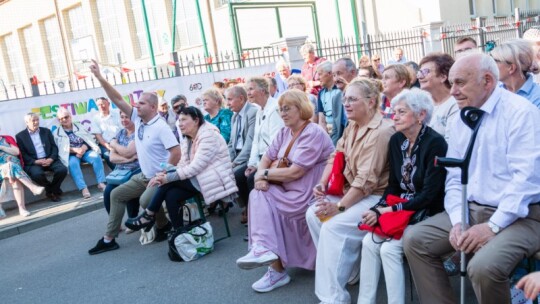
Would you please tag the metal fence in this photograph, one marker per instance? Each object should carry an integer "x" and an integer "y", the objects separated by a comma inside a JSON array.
[
  {"x": 181, "y": 66},
  {"x": 412, "y": 43},
  {"x": 487, "y": 31}
]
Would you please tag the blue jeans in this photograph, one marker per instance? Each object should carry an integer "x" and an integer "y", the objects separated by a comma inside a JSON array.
[
  {"x": 105, "y": 153},
  {"x": 90, "y": 157},
  {"x": 132, "y": 206}
]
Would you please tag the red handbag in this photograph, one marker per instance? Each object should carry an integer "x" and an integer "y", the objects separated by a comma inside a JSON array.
[
  {"x": 336, "y": 181},
  {"x": 391, "y": 225}
]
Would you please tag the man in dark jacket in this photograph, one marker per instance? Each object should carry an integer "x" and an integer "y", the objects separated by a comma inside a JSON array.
[{"x": 40, "y": 154}]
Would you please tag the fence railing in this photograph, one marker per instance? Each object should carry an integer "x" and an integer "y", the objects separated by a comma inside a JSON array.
[
  {"x": 484, "y": 30},
  {"x": 182, "y": 66},
  {"x": 413, "y": 43}
]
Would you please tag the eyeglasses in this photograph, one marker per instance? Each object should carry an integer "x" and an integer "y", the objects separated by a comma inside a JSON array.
[
  {"x": 284, "y": 109},
  {"x": 462, "y": 50},
  {"x": 63, "y": 118},
  {"x": 350, "y": 100},
  {"x": 379, "y": 59},
  {"x": 423, "y": 73}
]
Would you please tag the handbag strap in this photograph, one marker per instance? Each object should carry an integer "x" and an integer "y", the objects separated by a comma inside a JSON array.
[{"x": 294, "y": 138}]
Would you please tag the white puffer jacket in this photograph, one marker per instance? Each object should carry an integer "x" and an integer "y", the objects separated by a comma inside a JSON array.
[
  {"x": 209, "y": 162},
  {"x": 62, "y": 141}
]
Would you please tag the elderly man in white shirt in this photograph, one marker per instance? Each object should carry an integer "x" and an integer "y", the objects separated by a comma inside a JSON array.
[
  {"x": 105, "y": 126},
  {"x": 503, "y": 192}
]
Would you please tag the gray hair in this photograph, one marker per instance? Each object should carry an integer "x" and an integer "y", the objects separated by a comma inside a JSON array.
[
  {"x": 349, "y": 64},
  {"x": 214, "y": 94},
  {"x": 518, "y": 52},
  {"x": 308, "y": 47},
  {"x": 417, "y": 100},
  {"x": 282, "y": 63},
  {"x": 63, "y": 111},
  {"x": 261, "y": 82},
  {"x": 325, "y": 66},
  {"x": 29, "y": 116},
  {"x": 237, "y": 91},
  {"x": 487, "y": 64}
]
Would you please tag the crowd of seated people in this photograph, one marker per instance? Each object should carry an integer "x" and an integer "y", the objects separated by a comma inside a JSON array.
[{"x": 273, "y": 146}]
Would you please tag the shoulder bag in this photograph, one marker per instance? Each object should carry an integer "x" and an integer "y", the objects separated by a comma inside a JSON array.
[{"x": 284, "y": 162}]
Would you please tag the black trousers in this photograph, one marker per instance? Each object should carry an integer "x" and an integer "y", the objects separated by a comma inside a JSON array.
[
  {"x": 37, "y": 174},
  {"x": 244, "y": 184},
  {"x": 173, "y": 193}
]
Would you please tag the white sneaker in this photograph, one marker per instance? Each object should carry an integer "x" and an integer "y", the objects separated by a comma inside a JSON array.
[
  {"x": 271, "y": 280},
  {"x": 258, "y": 256}
]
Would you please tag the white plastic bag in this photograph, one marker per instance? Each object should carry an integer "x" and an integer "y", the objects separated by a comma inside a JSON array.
[
  {"x": 197, "y": 242},
  {"x": 147, "y": 237}
]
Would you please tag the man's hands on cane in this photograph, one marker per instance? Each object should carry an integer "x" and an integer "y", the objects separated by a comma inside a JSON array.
[{"x": 472, "y": 240}]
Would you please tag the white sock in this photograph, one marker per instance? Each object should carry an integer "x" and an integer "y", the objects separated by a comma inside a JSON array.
[{"x": 107, "y": 241}]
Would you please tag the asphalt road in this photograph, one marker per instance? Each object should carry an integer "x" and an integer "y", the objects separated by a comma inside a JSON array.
[{"x": 51, "y": 265}]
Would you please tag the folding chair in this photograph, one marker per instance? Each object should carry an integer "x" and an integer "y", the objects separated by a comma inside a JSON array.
[{"x": 199, "y": 200}]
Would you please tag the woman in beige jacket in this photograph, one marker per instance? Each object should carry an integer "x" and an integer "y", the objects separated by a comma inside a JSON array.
[{"x": 205, "y": 167}]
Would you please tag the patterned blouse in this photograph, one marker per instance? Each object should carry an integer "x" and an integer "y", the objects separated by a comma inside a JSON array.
[{"x": 223, "y": 121}]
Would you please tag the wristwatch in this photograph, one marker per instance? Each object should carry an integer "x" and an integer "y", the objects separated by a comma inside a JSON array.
[
  {"x": 340, "y": 208},
  {"x": 265, "y": 176},
  {"x": 496, "y": 229}
]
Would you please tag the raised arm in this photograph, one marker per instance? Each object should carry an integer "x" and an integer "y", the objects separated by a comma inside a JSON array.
[{"x": 111, "y": 92}]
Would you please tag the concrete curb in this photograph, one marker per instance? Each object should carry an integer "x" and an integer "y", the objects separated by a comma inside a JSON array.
[{"x": 51, "y": 216}]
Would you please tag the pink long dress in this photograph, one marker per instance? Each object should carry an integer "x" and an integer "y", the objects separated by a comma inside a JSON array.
[{"x": 277, "y": 216}]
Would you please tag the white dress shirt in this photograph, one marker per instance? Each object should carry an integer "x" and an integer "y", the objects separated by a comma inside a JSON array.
[
  {"x": 504, "y": 171},
  {"x": 267, "y": 124},
  {"x": 38, "y": 145}
]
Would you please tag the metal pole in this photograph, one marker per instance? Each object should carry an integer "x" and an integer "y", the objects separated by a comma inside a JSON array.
[
  {"x": 174, "y": 26},
  {"x": 316, "y": 25},
  {"x": 203, "y": 35},
  {"x": 338, "y": 16},
  {"x": 64, "y": 39},
  {"x": 464, "y": 226},
  {"x": 355, "y": 22},
  {"x": 278, "y": 19},
  {"x": 235, "y": 36},
  {"x": 150, "y": 46}
]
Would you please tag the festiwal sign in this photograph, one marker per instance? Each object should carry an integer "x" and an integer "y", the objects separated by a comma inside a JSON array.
[{"x": 82, "y": 104}]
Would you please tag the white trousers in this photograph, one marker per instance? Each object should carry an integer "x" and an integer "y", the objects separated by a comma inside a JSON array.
[
  {"x": 338, "y": 241},
  {"x": 390, "y": 255}
]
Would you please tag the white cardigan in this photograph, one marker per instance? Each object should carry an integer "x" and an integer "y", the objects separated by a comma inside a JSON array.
[
  {"x": 62, "y": 141},
  {"x": 211, "y": 164}
]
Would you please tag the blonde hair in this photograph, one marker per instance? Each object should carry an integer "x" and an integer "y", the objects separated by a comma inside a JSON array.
[
  {"x": 297, "y": 78},
  {"x": 214, "y": 94},
  {"x": 299, "y": 99},
  {"x": 518, "y": 52},
  {"x": 402, "y": 73},
  {"x": 370, "y": 88}
]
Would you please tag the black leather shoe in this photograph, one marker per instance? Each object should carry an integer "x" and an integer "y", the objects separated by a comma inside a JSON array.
[
  {"x": 53, "y": 197},
  {"x": 101, "y": 247}
]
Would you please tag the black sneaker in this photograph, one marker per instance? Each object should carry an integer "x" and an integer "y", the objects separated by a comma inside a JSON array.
[
  {"x": 101, "y": 247},
  {"x": 162, "y": 233}
]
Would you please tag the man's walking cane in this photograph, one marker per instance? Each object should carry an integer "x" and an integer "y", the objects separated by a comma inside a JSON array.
[{"x": 471, "y": 117}]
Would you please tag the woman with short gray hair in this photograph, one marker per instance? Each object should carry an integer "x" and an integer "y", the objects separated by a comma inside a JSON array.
[
  {"x": 415, "y": 180},
  {"x": 516, "y": 62}
]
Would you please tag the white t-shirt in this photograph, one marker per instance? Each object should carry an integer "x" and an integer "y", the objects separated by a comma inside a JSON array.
[
  {"x": 152, "y": 142},
  {"x": 443, "y": 115},
  {"x": 107, "y": 126}
]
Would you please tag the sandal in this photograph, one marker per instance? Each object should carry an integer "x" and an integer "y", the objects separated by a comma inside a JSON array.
[{"x": 137, "y": 224}]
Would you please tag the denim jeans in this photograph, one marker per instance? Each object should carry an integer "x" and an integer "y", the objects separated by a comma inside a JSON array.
[
  {"x": 132, "y": 206},
  {"x": 90, "y": 157},
  {"x": 105, "y": 153}
]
